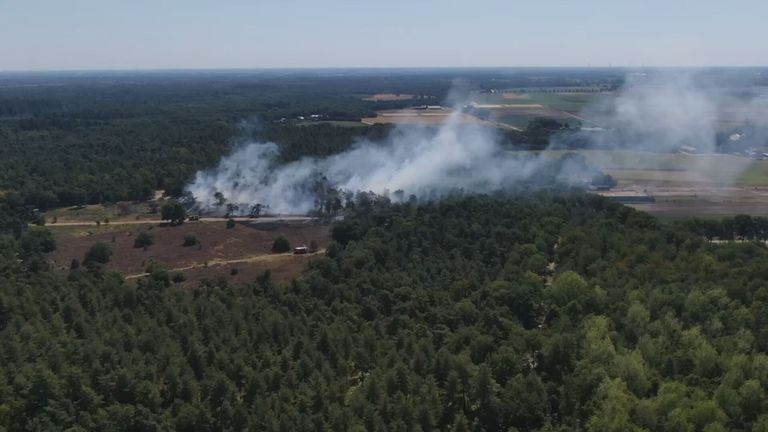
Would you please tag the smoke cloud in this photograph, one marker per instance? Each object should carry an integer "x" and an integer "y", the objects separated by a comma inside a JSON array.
[
  {"x": 663, "y": 113},
  {"x": 652, "y": 113},
  {"x": 705, "y": 115},
  {"x": 417, "y": 160}
]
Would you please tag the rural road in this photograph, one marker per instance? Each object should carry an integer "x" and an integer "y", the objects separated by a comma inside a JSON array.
[
  {"x": 218, "y": 262},
  {"x": 288, "y": 218}
]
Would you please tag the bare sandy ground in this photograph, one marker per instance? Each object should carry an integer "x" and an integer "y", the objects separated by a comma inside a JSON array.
[{"x": 269, "y": 219}]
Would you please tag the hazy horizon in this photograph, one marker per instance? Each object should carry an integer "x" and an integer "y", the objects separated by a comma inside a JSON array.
[
  {"x": 90, "y": 35},
  {"x": 382, "y": 68}
]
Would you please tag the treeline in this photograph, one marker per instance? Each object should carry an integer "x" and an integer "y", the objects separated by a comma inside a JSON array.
[
  {"x": 107, "y": 162},
  {"x": 542, "y": 311},
  {"x": 22, "y": 106},
  {"x": 319, "y": 140},
  {"x": 70, "y": 141},
  {"x": 739, "y": 227}
]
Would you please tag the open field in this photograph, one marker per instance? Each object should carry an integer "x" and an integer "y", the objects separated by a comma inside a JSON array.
[
  {"x": 593, "y": 108},
  {"x": 418, "y": 117},
  {"x": 701, "y": 206},
  {"x": 572, "y": 102},
  {"x": 702, "y": 200},
  {"x": 517, "y": 109},
  {"x": 432, "y": 117},
  {"x": 629, "y": 167},
  {"x": 519, "y": 96},
  {"x": 685, "y": 184},
  {"x": 283, "y": 268},
  {"x": 388, "y": 97},
  {"x": 510, "y": 106},
  {"x": 521, "y": 116},
  {"x": 342, "y": 123},
  {"x": 246, "y": 247},
  {"x": 118, "y": 223},
  {"x": 124, "y": 211}
]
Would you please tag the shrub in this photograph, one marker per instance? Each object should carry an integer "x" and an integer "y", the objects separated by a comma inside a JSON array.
[
  {"x": 161, "y": 275},
  {"x": 37, "y": 241},
  {"x": 173, "y": 211},
  {"x": 281, "y": 245},
  {"x": 144, "y": 239},
  {"x": 99, "y": 253},
  {"x": 230, "y": 223},
  {"x": 190, "y": 240}
]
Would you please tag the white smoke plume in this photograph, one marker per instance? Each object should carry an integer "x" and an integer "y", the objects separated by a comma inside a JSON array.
[
  {"x": 662, "y": 112},
  {"x": 665, "y": 112},
  {"x": 676, "y": 111},
  {"x": 416, "y": 160}
]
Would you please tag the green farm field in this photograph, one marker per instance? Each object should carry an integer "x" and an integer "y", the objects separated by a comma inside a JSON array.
[
  {"x": 682, "y": 185},
  {"x": 675, "y": 168},
  {"x": 571, "y": 102},
  {"x": 517, "y": 109}
]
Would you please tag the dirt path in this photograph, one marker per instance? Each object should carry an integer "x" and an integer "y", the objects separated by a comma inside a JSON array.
[
  {"x": 220, "y": 262},
  {"x": 158, "y": 221}
]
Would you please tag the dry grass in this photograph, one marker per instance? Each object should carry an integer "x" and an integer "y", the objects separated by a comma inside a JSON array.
[{"x": 219, "y": 245}]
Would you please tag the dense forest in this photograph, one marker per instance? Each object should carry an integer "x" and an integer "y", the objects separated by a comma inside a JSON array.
[
  {"x": 74, "y": 143},
  {"x": 537, "y": 311},
  {"x": 73, "y": 139}
]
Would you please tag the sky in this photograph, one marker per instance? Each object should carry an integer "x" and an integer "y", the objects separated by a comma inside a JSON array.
[{"x": 203, "y": 34}]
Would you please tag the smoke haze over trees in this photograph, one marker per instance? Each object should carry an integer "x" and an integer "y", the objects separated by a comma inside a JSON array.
[{"x": 659, "y": 112}]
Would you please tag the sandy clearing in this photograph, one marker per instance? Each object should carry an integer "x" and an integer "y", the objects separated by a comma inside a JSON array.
[
  {"x": 268, "y": 219},
  {"x": 215, "y": 243},
  {"x": 271, "y": 258}
]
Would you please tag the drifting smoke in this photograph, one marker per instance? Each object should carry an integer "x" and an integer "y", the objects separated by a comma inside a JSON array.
[
  {"x": 670, "y": 112},
  {"x": 417, "y": 160},
  {"x": 663, "y": 113}
]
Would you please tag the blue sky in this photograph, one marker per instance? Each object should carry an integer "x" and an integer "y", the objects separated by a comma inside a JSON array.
[{"x": 160, "y": 34}]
